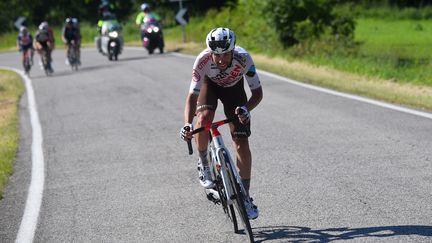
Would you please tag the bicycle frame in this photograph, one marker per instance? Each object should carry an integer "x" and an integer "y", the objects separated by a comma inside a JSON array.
[
  {"x": 222, "y": 167},
  {"x": 217, "y": 147},
  {"x": 72, "y": 55}
]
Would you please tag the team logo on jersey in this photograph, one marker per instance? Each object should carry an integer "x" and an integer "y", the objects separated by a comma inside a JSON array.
[
  {"x": 202, "y": 64},
  {"x": 227, "y": 79}
]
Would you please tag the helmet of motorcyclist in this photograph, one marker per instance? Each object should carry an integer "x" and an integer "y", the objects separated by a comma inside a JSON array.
[
  {"x": 145, "y": 7},
  {"x": 221, "y": 40},
  {"x": 104, "y": 4}
]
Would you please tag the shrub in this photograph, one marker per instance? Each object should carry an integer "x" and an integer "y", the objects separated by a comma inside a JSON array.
[{"x": 299, "y": 21}]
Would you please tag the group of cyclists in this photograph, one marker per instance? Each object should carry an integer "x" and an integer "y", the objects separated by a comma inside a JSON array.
[{"x": 44, "y": 40}]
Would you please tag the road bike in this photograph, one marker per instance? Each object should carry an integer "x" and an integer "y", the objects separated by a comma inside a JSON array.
[
  {"x": 27, "y": 60},
  {"x": 72, "y": 55},
  {"x": 46, "y": 60},
  {"x": 228, "y": 190}
]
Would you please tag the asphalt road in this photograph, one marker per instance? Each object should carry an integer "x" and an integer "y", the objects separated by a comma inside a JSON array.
[{"x": 326, "y": 168}]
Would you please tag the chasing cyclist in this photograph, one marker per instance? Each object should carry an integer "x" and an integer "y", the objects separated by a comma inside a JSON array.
[
  {"x": 71, "y": 33},
  {"x": 219, "y": 73},
  {"x": 44, "y": 43},
  {"x": 25, "y": 43}
]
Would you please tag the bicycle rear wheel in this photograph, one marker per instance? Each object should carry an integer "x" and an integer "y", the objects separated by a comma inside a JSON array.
[
  {"x": 26, "y": 64},
  {"x": 239, "y": 198}
]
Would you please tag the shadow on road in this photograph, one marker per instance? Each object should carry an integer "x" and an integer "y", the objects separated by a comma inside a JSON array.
[
  {"x": 70, "y": 72},
  {"x": 153, "y": 56},
  {"x": 305, "y": 234}
]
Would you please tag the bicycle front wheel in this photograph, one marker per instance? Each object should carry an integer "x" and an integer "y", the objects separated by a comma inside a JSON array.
[
  {"x": 228, "y": 209},
  {"x": 239, "y": 199}
]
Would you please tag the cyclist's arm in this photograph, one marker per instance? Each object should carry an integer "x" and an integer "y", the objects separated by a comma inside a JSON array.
[
  {"x": 63, "y": 35},
  {"x": 18, "y": 43},
  {"x": 254, "y": 83},
  {"x": 255, "y": 99},
  {"x": 190, "y": 107}
]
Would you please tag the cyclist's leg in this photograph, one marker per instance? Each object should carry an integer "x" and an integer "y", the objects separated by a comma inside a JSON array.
[
  {"x": 23, "y": 50},
  {"x": 231, "y": 98},
  {"x": 78, "y": 50},
  {"x": 68, "y": 46},
  {"x": 206, "y": 106},
  {"x": 31, "y": 54},
  {"x": 244, "y": 159}
]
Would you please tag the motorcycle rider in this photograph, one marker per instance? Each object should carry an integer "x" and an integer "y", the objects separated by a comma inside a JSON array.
[
  {"x": 219, "y": 72},
  {"x": 44, "y": 40},
  {"x": 25, "y": 42},
  {"x": 105, "y": 12},
  {"x": 147, "y": 16},
  {"x": 71, "y": 32}
]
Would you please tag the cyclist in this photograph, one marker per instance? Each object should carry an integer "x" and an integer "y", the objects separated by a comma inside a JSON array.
[
  {"x": 44, "y": 40},
  {"x": 218, "y": 73},
  {"x": 147, "y": 16},
  {"x": 24, "y": 43},
  {"x": 71, "y": 33}
]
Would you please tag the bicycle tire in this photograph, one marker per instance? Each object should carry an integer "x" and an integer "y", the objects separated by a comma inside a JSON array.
[
  {"x": 26, "y": 64},
  {"x": 239, "y": 199},
  {"x": 228, "y": 209}
]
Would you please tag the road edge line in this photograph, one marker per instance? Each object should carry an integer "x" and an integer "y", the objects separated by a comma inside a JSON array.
[{"x": 33, "y": 204}]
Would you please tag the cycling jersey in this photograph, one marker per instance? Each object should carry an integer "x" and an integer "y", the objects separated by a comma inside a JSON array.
[
  {"x": 242, "y": 66},
  {"x": 43, "y": 36},
  {"x": 25, "y": 41},
  {"x": 71, "y": 33},
  {"x": 142, "y": 18}
]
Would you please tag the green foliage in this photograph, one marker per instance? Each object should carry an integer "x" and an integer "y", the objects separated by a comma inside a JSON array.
[
  {"x": 300, "y": 21},
  {"x": 11, "y": 89},
  {"x": 245, "y": 19}
]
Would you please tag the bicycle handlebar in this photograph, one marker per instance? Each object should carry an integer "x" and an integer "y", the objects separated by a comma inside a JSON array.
[{"x": 207, "y": 128}]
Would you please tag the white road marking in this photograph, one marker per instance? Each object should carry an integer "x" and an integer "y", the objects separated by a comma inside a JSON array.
[
  {"x": 27, "y": 228},
  {"x": 336, "y": 93}
]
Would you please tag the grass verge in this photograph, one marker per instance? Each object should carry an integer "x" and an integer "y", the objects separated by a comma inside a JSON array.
[{"x": 11, "y": 88}]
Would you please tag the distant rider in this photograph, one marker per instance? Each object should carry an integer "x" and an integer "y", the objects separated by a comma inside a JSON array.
[
  {"x": 24, "y": 43},
  {"x": 105, "y": 13},
  {"x": 147, "y": 16},
  {"x": 71, "y": 32}
]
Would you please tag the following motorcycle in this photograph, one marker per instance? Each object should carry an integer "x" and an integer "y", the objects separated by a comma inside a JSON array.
[
  {"x": 151, "y": 35},
  {"x": 111, "y": 39}
]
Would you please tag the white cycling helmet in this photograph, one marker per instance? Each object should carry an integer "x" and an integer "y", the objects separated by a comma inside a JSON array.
[
  {"x": 43, "y": 26},
  {"x": 221, "y": 40},
  {"x": 23, "y": 29},
  {"x": 145, "y": 7}
]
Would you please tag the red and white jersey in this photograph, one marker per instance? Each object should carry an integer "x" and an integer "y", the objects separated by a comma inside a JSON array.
[{"x": 241, "y": 66}]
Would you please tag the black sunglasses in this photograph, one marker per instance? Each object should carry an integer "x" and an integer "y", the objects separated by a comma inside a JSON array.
[{"x": 224, "y": 44}]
